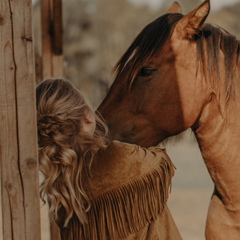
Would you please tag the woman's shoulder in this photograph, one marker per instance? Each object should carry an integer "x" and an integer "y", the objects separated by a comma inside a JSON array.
[
  {"x": 116, "y": 153},
  {"x": 117, "y": 145},
  {"x": 124, "y": 147},
  {"x": 121, "y": 148},
  {"x": 129, "y": 159},
  {"x": 128, "y": 150}
]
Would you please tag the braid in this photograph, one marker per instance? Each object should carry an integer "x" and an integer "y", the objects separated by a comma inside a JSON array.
[
  {"x": 63, "y": 148},
  {"x": 57, "y": 129}
]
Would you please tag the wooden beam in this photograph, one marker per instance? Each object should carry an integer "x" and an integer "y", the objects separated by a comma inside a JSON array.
[
  {"x": 57, "y": 28},
  {"x": 52, "y": 38},
  {"x": 52, "y": 55},
  {"x": 18, "y": 138}
]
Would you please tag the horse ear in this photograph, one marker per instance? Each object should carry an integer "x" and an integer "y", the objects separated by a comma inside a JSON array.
[
  {"x": 190, "y": 23},
  {"x": 175, "y": 8}
]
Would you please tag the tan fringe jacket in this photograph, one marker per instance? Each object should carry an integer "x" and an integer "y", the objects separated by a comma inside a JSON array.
[{"x": 129, "y": 190}]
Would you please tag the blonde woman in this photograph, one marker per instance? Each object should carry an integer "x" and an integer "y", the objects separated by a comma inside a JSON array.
[{"x": 97, "y": 189}]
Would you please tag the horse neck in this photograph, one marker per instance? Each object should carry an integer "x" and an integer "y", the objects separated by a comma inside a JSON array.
[{"x": 218, "y": 128}]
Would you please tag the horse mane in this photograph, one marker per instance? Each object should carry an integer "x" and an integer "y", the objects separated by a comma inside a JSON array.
[
  {"x": 146, "y": 46},
  {"x": 210, "y": 41}
]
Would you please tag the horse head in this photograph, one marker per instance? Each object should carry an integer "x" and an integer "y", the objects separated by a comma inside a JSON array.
[{"x": 158, "y": 90}]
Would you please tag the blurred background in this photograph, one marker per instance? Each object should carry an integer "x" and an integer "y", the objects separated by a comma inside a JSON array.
[{"x": 96, "y": 34}]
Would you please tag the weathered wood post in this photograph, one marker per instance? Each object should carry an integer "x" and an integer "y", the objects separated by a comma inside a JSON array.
[
  {"x": 18, "y": 134},
  {"x": 52, "y": 54},
  {"x": 52, "y": 38}
]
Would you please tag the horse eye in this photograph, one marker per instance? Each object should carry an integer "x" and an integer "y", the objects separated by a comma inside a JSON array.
[{"x": 146, "y": 72}]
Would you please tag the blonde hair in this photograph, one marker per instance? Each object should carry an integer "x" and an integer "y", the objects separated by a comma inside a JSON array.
[{"x": 65, "y": 151}]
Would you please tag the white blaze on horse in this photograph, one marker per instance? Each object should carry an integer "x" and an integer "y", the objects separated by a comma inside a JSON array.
[{"x": 182, "y": 73}]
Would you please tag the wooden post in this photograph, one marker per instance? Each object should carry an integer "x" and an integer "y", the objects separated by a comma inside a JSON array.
[
  {"x": 52, "y": 38},
  {"x": 18, "y": 134},
  {"x": 52, "y": 54}
]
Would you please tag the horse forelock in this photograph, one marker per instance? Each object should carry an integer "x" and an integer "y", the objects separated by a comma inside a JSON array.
[
  {"x": 147, "y": 45},
  {"x": 213, "y": 40}
]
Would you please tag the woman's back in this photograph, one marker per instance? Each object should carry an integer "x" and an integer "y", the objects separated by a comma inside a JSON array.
[{"x": 128, "y": 188}]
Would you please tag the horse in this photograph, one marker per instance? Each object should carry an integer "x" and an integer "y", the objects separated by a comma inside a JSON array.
[{"x": 179, "y": 73}]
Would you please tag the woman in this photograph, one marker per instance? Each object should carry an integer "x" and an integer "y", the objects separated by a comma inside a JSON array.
[{"x": 97, "y": 189}]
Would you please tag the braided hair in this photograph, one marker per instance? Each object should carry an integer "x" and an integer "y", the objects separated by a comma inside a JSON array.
[{"x": 65, "y": 150}]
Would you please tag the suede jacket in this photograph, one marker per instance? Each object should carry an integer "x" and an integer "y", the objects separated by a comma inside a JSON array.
[{"x": 129, "y": 188}]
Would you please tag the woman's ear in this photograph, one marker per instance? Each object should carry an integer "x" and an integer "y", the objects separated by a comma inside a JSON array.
[
  {"x": 89, "y": 122},
  {"x": 88, "y": 118}
]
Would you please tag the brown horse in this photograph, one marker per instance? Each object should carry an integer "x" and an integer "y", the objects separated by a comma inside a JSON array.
[{"x": 182, "y": 73}]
